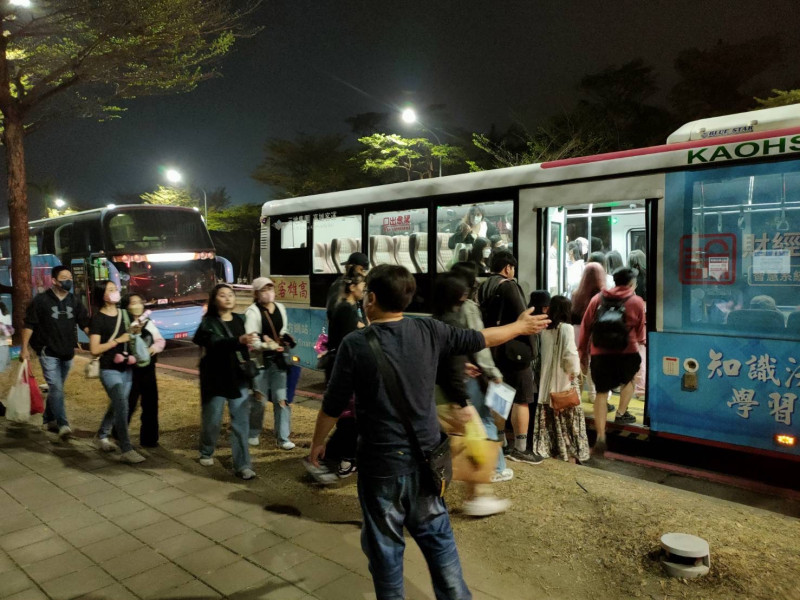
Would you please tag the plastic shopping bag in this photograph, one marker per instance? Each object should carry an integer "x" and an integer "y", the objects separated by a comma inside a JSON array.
[
  {"x": 18, "y": 401},
  {"x": 37, "y": 402}
]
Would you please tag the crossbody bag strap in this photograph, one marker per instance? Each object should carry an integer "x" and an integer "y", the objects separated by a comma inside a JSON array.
[
  {"x": 390, "y": 382},
  {"x": 230, "y": 334},
  {"x": 116, "y": 329},
  {"x": 271, "y": 324}
]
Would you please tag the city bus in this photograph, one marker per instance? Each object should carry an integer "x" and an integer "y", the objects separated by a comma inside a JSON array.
[
  {"x": 715, "y": 210},
  {"x": 162, "y": 253}
]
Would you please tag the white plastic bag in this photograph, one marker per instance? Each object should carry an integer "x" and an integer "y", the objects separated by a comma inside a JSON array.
[{"x": 18, "y": 401}]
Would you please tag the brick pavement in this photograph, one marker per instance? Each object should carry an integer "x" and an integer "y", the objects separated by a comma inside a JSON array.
[{"x": 78, "y": 524}]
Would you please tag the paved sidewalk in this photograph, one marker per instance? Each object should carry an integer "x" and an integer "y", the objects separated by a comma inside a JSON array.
[{"x": 78, "y": 524}]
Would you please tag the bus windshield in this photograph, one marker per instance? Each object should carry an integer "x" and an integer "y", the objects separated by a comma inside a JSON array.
[{"x": 154, "y": 231}]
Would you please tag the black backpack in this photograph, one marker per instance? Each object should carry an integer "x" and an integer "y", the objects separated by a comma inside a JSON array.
[{"x": 609, "y": 330}]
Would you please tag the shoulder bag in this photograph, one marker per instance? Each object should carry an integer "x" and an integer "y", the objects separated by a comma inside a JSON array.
[
  {"x": 248, "y": 368},
  {"x": 280, "y": 359},
  {"x": 437, "y": 464},
  {"x": 92, "y": 369},
  {"x": 560, "y": 401}
]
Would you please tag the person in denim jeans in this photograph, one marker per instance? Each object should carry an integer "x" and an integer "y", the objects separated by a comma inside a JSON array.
[
  {"x": 225, "y": 346},
  {"x": 266, "y": 319},
  {"x": 108, "y": 339},
  {"x": 393, "y": 489},
  {"x": 50, "y": 321}
]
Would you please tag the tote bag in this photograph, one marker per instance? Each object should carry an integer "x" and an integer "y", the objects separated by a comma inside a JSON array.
[{"x": 18, "y": 401}]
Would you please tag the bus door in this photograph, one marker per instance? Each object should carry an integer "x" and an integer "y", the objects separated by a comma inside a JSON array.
[{"x": 600, "y": 221}]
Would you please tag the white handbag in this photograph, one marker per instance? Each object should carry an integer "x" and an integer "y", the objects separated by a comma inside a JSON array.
[
  {"x": 92, "y": 370},
  {"x": 18, "y": 401}
]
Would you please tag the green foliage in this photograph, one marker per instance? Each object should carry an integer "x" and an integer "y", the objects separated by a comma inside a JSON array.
[
  {"x": 171, "y": 196},
  {"x": 309, "y": 165},
  {"x": 242, "y": 217},
  {"x": 90, "y": 54},
  {"x": 780, "y": 98},
  {"x": 416, "y": 158}
]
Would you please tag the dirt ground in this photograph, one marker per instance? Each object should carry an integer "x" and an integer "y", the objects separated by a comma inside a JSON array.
[{"x": 572, "y": 532}]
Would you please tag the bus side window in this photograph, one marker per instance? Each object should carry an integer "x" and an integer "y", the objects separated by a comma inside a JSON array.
[
  {"x": 399, "y": 238},
  {"x": 335, "y": 239},
  {"x": 63, "y": 240},
  {"x": 473, "y": 232}
]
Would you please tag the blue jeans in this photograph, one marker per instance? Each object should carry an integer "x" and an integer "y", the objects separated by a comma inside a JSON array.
[
  {"x": 390, "y": 503},
  {"x": 271, "y": 386},
  {"x": 239, "y": 409},
  {"x": 118, "y": 387},
  {"x": 55, "y": 373},
  {"x": 478, "y": 400}
]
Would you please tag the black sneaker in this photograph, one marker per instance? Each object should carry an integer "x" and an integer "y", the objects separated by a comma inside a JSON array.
[
  {"x": 610, "y": 408},
  {"x": 625, "y": 417},
  {"x": 525, "y": 456}
]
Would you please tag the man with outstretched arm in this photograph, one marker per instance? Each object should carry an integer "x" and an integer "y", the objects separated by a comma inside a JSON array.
[{"x": 391, "y": 489}]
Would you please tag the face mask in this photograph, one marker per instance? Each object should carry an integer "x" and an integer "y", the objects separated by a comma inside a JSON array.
[
  {"x": 487, "y": 253},
  {"x": 112, "y": 297},
  {"x": 477, "y": 219},
  {"x": 136, "y": 309},
  {"x": 66, "y": 285},
  {"x": 268, "y": 296}
]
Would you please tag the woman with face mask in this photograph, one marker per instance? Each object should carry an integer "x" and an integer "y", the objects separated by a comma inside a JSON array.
[
  {"x": 144, "y": 378},
  {"x": 481, "y": 255},
  {"x": 267, "y": 320},
  {"x": 473, "y": 226},
  {"x": 108, "y": 339}
]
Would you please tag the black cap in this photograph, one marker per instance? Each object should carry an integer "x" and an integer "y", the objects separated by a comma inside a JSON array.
[
  {"x": 624, "y": 275},
  {"x": 358, "y": 259}
]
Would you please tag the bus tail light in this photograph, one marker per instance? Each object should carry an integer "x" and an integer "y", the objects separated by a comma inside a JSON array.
[{"x": 785, "y": 440}]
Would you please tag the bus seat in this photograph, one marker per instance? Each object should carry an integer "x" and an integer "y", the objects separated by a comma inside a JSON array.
[
  {"x": 443, "y": 252},
  {"x": 419, "y": 251},
  {"x": 341, "y": 249},
  {"x": 321, "y": 260},
  {"x": 381, "y": 250},
  {"x": 753, "y": 320},
  {"x": 402, "y": 252},
  {"x": 793, "y": 322}
]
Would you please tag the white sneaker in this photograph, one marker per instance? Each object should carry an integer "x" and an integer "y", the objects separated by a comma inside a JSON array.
[
  {"x": 246, "y": 474},
  {"x": 132, "y": 457},
  {"x": 105, "y": 444},
  {"x": 253, "y": 441},
  {"x": 321, "y": 474},
  {"x": 206, "y": 461},
  {"x": 483, "y": 506},
  {"x": 64, "y": 432},
  {"x": 504, "y": 475},
  {"x": 286, "y": 445}
]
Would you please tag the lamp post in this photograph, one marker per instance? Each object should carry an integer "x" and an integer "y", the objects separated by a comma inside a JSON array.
[
  {"x": 175, "y": 177},
  {"x": 409, "y": 115}
]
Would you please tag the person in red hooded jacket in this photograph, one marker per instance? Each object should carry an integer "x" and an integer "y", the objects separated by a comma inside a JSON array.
[{"x": 612, "y": 368}]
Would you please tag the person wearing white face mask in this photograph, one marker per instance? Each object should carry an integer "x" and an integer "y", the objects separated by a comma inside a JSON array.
[
  {"x": 108, "y": 339},
  {"x": 50, "y": 330},
  {"x": 267, "y": 319},
  {"x": 481, "y": 255},
  {"x": 473, "y": 226}
]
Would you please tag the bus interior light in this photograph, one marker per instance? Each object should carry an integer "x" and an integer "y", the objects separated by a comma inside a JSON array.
[{"x": 785, "y": 440}]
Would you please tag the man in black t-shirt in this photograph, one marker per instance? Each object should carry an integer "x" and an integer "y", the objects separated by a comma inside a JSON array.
[
  {"x": 50, "y": 322},
  {"x": 392, "y": 490}
]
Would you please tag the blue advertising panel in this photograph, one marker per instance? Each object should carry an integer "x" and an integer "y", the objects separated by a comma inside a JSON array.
[
  {"x": 305, "y": 325},
  {"x": 736, "y": 390}
]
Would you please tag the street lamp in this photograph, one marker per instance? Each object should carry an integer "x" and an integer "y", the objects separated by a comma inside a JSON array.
[
  {"x": 175, "y": 177},
  {"x": 409, "y": 115},
  {"x": 59, "y": 202}
]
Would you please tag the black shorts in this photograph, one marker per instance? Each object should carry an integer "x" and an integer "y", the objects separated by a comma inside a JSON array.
[
  {"x": 613, "y": 370},
  {"x": 522, "y": 381}
]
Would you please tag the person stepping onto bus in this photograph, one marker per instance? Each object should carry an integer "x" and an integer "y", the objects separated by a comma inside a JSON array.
[
  {"x": 501, "y": 301},
  {"x": 612, "y": 329},
  {"x": 358, "y": 262},
  {"x": 267, "y": 320},
  {"x": 108, "y": 339},
  {"x": 144, "y": 377},
  {"x": 225, "y": 343},
  {"x": 50, "y": 330}
]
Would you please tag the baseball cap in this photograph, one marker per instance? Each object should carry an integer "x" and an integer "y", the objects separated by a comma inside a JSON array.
[
  {"x": 358, "y": 258},
  {"x": 260, "y": 282}
]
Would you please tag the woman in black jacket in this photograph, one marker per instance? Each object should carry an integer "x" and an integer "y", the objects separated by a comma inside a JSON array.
[{"x": 224, "y": 341}]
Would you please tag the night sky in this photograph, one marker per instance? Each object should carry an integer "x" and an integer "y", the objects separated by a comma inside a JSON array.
[{"x": 488, "y": 62}]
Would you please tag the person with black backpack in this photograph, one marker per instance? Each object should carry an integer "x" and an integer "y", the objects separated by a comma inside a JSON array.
[
  {"x": 501, "y": 301},
  {"x": 612, "y": 329}
]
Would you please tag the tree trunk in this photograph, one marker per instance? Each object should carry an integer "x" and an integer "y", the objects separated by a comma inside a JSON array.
[{"x": 14, "y": 141}]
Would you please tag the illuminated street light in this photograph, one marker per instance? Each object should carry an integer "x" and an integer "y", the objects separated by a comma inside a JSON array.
[
  {"x": 20, "y": 3},
  {"x": 409, "y": 115},
  {"x": 59, "y": 202},
  {"x": 174, "y": 176}
]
